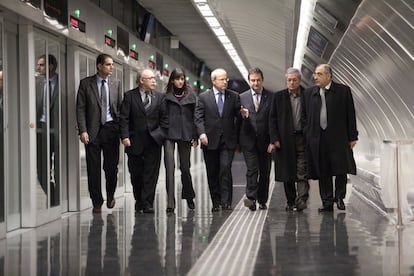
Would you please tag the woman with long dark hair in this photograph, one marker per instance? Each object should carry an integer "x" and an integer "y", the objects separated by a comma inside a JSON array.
[{"x": 181, "y": 102}]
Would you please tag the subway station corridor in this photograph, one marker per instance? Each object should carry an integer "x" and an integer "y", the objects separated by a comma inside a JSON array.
[{"x": 358, "y": 241}]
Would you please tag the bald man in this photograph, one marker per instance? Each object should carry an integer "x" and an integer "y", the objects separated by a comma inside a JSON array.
[{"x": 328, "y": 117}]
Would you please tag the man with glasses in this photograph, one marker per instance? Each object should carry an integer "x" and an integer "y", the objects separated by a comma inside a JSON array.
[
  {"x": 144, "y": 123},
  {"x": 217, "y": 116},
  {"x": 328, "y": 116}
]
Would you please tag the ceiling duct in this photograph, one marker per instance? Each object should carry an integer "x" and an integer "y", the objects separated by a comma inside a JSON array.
[{"x": 324, "y": 18}]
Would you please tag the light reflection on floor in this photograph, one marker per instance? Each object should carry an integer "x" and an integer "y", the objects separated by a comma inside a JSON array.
[{"x": 118, "y": 242}]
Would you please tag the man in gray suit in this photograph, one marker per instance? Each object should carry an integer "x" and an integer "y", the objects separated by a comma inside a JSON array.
[
  {"x": 217, "y": 117},
  {"x": 255, "y": 140},
  {"x": 98, "y": 105}
]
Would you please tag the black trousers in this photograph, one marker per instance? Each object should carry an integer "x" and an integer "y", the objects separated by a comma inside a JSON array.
[
  {"x": 258, "y": 163},
  {"x": 144, "y": 170},
  {"x": 220, "y": 181},
  {"x": 326, "y": 176},
  {"x": 42, "y": 159},
  {"x": 184, "y": 153},
  {"x": 107, "y": 142}
]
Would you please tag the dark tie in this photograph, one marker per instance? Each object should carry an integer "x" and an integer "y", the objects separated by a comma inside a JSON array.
[
  {"x": 220, "y": 103},
  {"x": 103, "y": 103},
  {"x": 50, "y": 92},
  {"x": 324, "y": 117}
]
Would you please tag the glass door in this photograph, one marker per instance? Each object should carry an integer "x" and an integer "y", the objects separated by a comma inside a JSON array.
[
  {"x": 2, "y": 178},
  {"x": 48, "y": 82}
]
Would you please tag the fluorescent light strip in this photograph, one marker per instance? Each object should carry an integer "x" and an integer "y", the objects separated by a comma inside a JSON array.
[
  {"x": 205, "y": 11},
  {"x": 306, "y": 10}
]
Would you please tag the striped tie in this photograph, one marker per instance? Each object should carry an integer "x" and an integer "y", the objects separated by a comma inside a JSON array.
[{"x": 147, "y": 102}]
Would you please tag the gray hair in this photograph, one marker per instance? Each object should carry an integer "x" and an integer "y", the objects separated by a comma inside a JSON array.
[
  {"x": 292, "y": 70},
  {"x": 217, "y": 72}
]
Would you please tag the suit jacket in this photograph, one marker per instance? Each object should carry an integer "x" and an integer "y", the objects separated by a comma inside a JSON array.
[
  {"x": 208, "y": 120},
  {"x": 88, "y": 105},
  {"x": 143, "y": 128},
  {"x": 340, "y": 131},
  {"x": 282, "y": 130},
  {"x": 254, "y": 130}
]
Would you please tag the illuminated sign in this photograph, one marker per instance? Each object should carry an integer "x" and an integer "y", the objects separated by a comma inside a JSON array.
[
  {"x": 77, "y": 24},
  {"x": 109, "y": 41},
  {"x": 165, "y": 72},
  {"x": 151, "y": 64},
  {"x": 133, "y": 54}
]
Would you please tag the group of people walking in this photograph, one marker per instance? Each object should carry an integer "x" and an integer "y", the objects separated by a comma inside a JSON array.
[{"x": 310, "y": 134}]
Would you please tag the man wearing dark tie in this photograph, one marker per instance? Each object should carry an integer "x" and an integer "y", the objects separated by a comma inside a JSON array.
[
  {"x": 47, "y": 97},
  {"x": 217, "y": 118},
  {"x": 255, "y": 140},
  {"x": 329, "y": 125},
  {"x": 144, "y": 123},
  {"x": 98, "y": 105}
]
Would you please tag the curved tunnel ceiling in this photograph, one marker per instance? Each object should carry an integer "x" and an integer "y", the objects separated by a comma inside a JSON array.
[{"x": 263, "y": 33}]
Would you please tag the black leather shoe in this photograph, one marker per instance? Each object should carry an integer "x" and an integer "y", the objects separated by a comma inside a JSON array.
[
  {"x": 190, "y": 204},
  {"x": 250, "y": 203},
  {"x": 148, "y": 210},
  {"x": 300, "y": 206},
  {"x": 262, "y": 206},
  {"x": 110, "y": 203},
  {"x": 226, "y": 207},
  {"x": 290, "y": 208},
  {"x": 170, "y": 210},
  {"x": 325, "y": 209},
  {"x": 340, "y": 204},
  {"x": 215, "y": 209}
]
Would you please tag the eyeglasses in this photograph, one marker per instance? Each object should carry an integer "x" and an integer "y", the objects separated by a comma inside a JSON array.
[
  {"x": 222, "y": 80},
  {"x": 149, "y": 78}
]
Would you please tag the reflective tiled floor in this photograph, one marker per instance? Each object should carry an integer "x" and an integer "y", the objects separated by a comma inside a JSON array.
[{"x": 358, "y": 241}]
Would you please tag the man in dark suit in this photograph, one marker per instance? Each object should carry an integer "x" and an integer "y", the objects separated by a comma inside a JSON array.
[
  {"x": 255, "y": 140},
  {"x": 98, "y": 104},
  {"x": 47, "y": 96},
  {"x": 216, "y": 117},
  {"x": 287, "y": 137},
  {"x": 144, "y": 122},
  {"x": 328, "y": 115}
]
